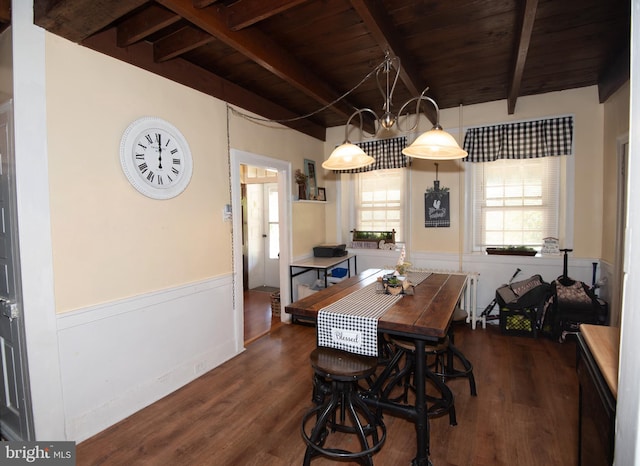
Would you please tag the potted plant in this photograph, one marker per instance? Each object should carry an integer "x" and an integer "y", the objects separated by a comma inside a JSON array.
[
  {"x": 512, "y": 251},
  {"x": 301, "y": 180}
]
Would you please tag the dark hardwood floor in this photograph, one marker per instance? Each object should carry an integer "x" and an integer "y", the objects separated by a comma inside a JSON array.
[
  {"x": 258, "y": 316},
  {"x": 248, "y": 411}
]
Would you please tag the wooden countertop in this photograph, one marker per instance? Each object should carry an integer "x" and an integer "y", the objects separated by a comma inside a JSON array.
[{"x": 604, "y": 343}]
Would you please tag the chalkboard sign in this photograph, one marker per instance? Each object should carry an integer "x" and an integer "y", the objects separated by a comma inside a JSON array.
[{"x": 436, "y": 209}]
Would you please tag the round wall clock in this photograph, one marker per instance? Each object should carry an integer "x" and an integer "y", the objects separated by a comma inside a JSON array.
[{"x": 155, "y": 158}]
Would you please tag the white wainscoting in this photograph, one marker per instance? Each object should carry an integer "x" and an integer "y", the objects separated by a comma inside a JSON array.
[
  {"x": 493, "y": 271},
  {"x": 119, "y": 357}
]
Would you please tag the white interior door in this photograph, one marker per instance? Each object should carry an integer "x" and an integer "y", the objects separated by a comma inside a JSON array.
[
  {"x": 272, "y": 239},
  {"x": 15, "y": 405},
  {"x": 255, "y": 235},
  {"x": 263, "y": 237}
]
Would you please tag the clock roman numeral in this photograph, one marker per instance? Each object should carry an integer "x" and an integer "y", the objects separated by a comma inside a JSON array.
[
  {"x": 173, "y": 151},
  {"x": 151, "y": 176},
  {"x": 160, "y": 182},
  {"x": 167, "y": 143},
  {"x": 139, "y": 156},
  {"x": 143, "y": 146},
  {"x": 158, "y": 138},
  {"x": 174, "y": 170},
  {"x": 142, "y": 167},
  {"x": 176, "y": 161},
  {"x": 148, "y": 136}
]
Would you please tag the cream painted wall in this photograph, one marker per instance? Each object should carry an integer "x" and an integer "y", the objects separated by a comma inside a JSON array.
[
  {"x": 6, "y": 66},
  {"x": 279, "y": 142},
  {"x": 109, "y": 241},
  {"x": 588, "y": 113},
  {"x": 616, "y": 126},
  {"x": 308, "y": 225}
]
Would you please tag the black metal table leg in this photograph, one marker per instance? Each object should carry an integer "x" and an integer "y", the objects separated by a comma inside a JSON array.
[{"x": 422, "y": 421}]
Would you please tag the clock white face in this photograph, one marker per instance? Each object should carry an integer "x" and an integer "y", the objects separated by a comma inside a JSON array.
[{"x": 155, "y": 157}]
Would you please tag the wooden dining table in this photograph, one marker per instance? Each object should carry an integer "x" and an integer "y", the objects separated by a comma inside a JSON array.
[{"x": 423, "y": 316}]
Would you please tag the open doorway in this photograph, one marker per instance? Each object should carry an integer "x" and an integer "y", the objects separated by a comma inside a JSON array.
[
  {"x": 261, "y": 228},
  {"x": 262, "y": 246}
]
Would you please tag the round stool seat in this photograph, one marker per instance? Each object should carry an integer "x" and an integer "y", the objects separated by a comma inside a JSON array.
[
  {"x": 339, "y": 365},
  {"x": 340, "y": 409},
  {"x": 459, "y": 314},
  {"x": 409, "y": 345}
]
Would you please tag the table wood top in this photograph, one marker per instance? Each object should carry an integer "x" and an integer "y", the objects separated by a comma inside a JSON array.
[
  {"x": 321, "y": 262},
  {"x": 427, "y": 313}
]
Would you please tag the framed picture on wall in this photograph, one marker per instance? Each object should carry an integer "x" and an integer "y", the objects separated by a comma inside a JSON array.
[
  {"x": 310, "y": 171},
  {"x": 322, "y": 194}
]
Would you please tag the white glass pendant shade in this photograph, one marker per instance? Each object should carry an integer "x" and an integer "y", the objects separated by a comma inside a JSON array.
[
  {"x": 347, "y": 156},
  {"x": 435, "y": 144}
]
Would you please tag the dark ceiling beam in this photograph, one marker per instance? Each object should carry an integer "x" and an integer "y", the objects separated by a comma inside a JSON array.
[
  {"x": 616, "y": 74},
  {"x": 522, "y": 50},
  {"x": 152, "y": 19},
  {"x": 246, "y": 13},
  {"x": 78, "y": 19},
  {"x": 5, "y": 14},
  {"x": 377, "y": 23},
  {"x": 5, "y": 11},
  {"x": 203, "y": 3},
  {"x": 181, "y": 41},
  {"x": 190, "y": 75},
  {"x": 261, "y": 49}
]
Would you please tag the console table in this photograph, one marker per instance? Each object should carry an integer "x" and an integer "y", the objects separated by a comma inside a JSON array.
[{"x": 319, "y": 264}]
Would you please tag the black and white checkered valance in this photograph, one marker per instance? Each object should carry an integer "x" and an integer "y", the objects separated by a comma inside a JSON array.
[
  {"x": 386, "y": 152},
  {"x": 524, "y": 140}
]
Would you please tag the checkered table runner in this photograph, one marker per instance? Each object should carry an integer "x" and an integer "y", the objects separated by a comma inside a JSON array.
[{"x": 351, "y": 323}]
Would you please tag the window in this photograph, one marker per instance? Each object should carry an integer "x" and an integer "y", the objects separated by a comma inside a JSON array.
[
  {"x": 379, "y": 201},
  {"x": 516, "y": 196},
  {"x": 515, "y": 202},
  {"x": 273, "y": 221}
]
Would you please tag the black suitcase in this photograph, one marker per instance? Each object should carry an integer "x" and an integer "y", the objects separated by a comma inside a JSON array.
[{"x": 570, "y": 304}]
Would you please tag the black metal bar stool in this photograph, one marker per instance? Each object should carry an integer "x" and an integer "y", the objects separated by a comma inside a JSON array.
[
  {"x": 340, "y": 408},
  {"x": 438, "y": 403},
  {"x": 449, "y": 359}
]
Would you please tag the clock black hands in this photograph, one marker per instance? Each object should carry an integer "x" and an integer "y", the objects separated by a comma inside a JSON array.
[{"x": 159, "y": 151}]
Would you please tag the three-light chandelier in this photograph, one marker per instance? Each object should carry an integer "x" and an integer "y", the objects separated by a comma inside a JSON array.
[{"x": 435, "y": 144}]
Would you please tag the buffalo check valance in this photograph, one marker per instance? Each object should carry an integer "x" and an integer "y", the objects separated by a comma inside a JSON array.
[
  {"x": 522, "y": 140},
  {"x": 386, "y": 152}
]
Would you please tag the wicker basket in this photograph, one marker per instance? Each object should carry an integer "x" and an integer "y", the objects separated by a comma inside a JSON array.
[{"x": 275, "y": 303}]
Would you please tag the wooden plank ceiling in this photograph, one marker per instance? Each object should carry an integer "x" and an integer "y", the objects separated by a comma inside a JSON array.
[{"x": 284, "y": 59}]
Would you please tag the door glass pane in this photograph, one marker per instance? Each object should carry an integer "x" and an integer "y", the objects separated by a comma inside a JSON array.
[{"x": 274, "y": 227}]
